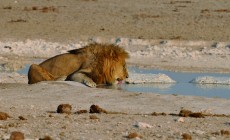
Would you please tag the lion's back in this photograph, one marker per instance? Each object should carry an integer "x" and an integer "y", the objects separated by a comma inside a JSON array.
[{"x": 62, "y": 65}]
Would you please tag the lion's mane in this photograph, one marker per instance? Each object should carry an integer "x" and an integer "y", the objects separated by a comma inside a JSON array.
[{"x": 102, "y": 60}]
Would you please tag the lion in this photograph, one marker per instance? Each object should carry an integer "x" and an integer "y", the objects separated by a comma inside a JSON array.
[{"x": 93, "y": 65}]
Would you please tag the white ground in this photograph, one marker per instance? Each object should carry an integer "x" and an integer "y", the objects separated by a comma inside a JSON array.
[{"x": 202, "y": 56}]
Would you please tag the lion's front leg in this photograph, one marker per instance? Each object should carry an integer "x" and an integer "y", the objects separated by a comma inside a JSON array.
[{"x": 82, "y": 78}]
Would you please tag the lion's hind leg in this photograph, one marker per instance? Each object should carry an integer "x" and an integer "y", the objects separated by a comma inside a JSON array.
[{"x": 37, "y": 73}]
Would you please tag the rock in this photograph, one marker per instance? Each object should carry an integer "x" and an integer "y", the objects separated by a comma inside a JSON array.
[
  {"x": 134, "y": 135},
  {"x": 142, "y": 125},
  {"x": 225, "y": 132},
  {"x": 64, "y": 108},
  {"x": 138, "y": 78},
  {"x": 4, "y": 116},
  {"x": 186, "y": 136},
  {"x": 46, "y": 138},
  {"x": 181, "y": 119},
  {"x": 96, "y": 109},
  {"x": 185, "y": 113},
  {"x": 17, "y": 136},
  {"x": 22, "y": 118}
]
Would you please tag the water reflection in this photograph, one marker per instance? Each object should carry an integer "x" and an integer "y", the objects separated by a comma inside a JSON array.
[
  {"x": 155, "y": 85},
  {"x": 213, "y": 86}
]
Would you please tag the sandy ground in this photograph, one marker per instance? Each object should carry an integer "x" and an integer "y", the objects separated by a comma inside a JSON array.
[
  {"x": 189, "y": 35},
  {"x": 150, "y": 19}
]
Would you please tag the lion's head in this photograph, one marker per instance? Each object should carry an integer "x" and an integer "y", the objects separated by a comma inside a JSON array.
[
  {"x": 114, "y": 72},
  {"x": 120, "y": 73},
  {"x": 106, "y": 61}
]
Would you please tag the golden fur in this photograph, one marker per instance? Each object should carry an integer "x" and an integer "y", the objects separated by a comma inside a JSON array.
[{"x": 92, "y": 65}]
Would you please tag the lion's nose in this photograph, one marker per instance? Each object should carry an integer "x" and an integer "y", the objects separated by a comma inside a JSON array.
[{"x": 119, "y": 79}]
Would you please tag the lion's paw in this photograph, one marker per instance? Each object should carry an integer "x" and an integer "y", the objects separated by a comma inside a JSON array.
[
  {"x": 90, "y": 83},
  {"x": 62, "y": 78}
]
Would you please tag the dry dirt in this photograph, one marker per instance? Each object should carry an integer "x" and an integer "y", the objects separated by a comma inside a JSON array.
[
  {"x": 66, "y": 20},
  {"x": 32, "y": 108}
]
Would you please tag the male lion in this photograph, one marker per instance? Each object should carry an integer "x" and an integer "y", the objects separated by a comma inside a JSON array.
[{"x": 92, "y": 65}]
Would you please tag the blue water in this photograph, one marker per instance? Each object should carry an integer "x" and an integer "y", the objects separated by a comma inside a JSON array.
[
  {"x": 181, "y": 87},
  {"x": 24, "y": 70}
]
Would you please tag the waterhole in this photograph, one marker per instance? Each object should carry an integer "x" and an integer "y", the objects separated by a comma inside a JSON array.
[{"x": 183, "y": 86}]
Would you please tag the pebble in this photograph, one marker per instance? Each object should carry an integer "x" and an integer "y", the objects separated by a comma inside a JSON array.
[
  {"x": 181, "y": 119},
  {"x": 142, "y": 125},
  {"x": 17, "y": 136},
  {"x": 4, "y": 116},
  {"x": 64, "y": 108},
  {"x": 199, "y": 132}
]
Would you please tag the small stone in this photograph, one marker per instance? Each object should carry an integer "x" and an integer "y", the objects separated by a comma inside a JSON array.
[
  {"x": 17, "y": 136},
  {"x": 142, "y": 125},
  {"x": 96, "y": 109},
  {"x": 134, "y": 135},
  {"x": 224, "y": 132},
  {"x": 163, "y": 42},
  {"x": 12, "y": 124},
  {"x": 46, "y": 138},
  {"x": 4, "y": 116},
  {"x": 64, "y": 108},
  {"x": 181, "y": 119},
  {"x": 185, "y": 113},
  {"x": 22, "y": 118},
  {"x": 186, "y": 136}
]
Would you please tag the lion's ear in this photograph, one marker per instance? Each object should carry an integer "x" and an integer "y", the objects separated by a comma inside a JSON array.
[
  {"x": 125, "y": 54},
  {"x": 77, "y": 51},
  {"x": 121, "y": 53}
]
